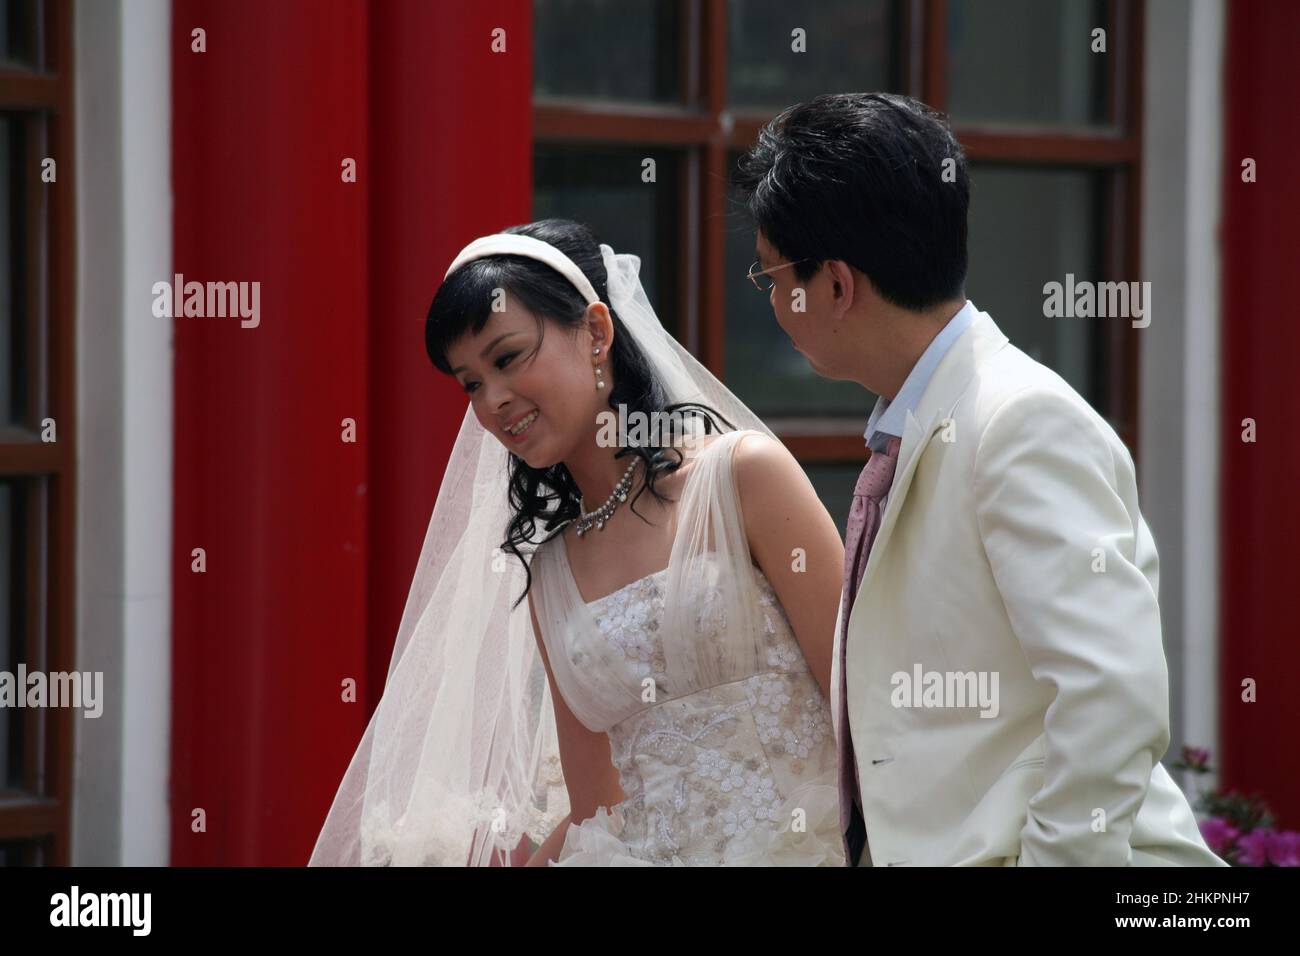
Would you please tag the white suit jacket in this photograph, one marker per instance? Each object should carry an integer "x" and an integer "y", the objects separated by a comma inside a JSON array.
[{"x": 1012, "y": 544}]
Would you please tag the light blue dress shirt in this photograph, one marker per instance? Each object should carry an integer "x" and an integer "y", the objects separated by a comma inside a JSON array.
[{"x": 888, "y": 418}]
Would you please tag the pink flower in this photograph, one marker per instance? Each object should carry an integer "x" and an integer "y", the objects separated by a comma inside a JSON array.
[
  {"x": 1196, "y": 757},
  {"x": 1253, "y": 847},
  {"x": 1284, "y": 848},
  {"x": 1219, "y": 834}
]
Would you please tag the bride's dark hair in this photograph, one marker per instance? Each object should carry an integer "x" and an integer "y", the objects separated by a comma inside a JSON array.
[{"x": 463, "y": 304}]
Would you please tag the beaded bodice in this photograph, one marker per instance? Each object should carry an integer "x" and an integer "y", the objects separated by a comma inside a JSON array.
[{"x": 701, "y": 765}]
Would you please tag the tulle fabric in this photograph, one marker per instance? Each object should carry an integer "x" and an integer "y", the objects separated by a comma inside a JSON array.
[
  {"x": 460, "y": 760},
  {"x": 713, "y": 614}
]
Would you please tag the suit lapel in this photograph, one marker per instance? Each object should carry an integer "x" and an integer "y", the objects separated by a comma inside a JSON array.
[{"x": 951, "y": 377}]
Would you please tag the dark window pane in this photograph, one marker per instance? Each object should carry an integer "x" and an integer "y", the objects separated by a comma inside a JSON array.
[
  {"x": 25, "y": 852},
  {"x": 602, "y": 187},
  {"x": 1029, "y": 227},
  {"x": 15, "y": 509},
  {"x": 834, "y": 484},
  {"x": 1026, "y": 62},
  {"x": 588, "y": 49},
  {"x": 20, "y": 34},
  {"x": 850, "y": 45},
  {"x": 762, "y": 367},
  {"x": 14, "y": 250}
]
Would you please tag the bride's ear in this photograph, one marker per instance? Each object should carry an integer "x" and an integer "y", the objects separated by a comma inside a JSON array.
[{"x": 600, "y": 326}]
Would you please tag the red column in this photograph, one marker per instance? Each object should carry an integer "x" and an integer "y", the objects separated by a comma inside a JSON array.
[
  {"x": 1260, "y": 504},
  {"x": 310, "y": 541},
  {"x": 451, "y": 133}
]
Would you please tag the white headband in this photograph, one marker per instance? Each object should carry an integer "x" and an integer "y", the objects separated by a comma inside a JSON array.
[{"x": 503, "y": 243}]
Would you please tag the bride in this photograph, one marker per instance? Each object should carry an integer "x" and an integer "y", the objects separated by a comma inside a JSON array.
[{"x": 621, "y": 653}]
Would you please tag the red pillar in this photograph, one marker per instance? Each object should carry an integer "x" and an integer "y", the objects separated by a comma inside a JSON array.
[
  {"x": 310, "y": 541},
  {"x": 1260, "y": 504},
  {"x": 451, "y": 128}
]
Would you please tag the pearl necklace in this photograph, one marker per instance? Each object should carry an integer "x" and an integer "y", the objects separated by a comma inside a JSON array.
[{"x": 616, "y": 497}]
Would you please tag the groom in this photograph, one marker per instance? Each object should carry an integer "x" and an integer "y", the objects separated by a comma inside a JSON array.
[{"x": 1002, "y": 692}]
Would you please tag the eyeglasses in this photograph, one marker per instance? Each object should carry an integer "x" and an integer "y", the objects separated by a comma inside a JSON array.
[{"x": 762, "y": 281}]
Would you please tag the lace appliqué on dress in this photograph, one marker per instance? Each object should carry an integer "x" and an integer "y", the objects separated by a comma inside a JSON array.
[{"x": 711, "y": 773}]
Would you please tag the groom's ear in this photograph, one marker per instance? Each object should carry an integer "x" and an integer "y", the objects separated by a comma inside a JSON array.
[{"x": 842, "y": 286}]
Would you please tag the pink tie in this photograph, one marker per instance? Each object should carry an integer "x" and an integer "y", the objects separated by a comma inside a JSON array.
[{"x": 864, "y": 520}]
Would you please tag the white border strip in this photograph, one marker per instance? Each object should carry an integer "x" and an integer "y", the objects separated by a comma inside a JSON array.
[{"x": 1201, "y": 452}]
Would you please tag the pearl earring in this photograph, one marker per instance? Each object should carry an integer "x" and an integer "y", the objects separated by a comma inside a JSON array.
[{"x": 600, "y": 382}]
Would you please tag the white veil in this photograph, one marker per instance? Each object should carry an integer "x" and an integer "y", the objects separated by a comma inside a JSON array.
[{"x": 460, "y": 759}]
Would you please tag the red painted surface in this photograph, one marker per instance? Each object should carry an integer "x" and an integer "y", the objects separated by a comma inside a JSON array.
[
  {"x": 310, "y": 541},
  {"x": 451, "y": 128},
  {"x": 1260, "y": 504}
]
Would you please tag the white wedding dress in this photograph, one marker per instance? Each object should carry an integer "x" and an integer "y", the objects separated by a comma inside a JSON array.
[{"x": 720, "y": 734}]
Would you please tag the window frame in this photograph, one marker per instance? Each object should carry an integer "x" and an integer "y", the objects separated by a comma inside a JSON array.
[
  {"x": 48, "y": 95},
  {"x": 708, "y": 131}
]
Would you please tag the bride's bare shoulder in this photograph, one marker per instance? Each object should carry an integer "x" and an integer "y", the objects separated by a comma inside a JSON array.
[{"x": 762, "y": 465}]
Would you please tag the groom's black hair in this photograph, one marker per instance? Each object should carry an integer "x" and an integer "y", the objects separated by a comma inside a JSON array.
[{"x": 860, "y": 177}]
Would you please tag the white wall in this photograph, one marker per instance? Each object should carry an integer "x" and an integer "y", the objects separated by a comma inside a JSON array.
[
  {"x": 123, "y": 90},
  {"x": 1180, "y": 371}
]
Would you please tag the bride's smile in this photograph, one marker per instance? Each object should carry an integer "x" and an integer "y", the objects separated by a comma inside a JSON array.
[{"x": 531, "y": 382}]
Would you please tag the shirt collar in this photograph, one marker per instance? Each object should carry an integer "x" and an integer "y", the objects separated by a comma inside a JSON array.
[{"x": 888, "y": 418}]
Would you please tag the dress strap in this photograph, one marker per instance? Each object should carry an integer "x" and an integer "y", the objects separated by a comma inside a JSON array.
[{"x": 713, "y": 615}]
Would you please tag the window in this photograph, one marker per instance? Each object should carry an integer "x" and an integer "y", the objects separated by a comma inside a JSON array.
[
  {"x": 37, "y": 481},
  {"x": 1051, "y": 128}
]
